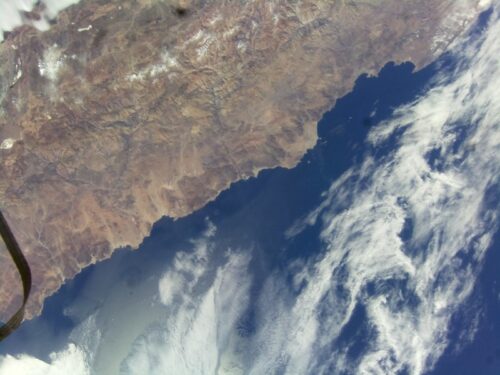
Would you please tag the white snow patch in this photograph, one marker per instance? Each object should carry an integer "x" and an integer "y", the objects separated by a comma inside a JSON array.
[
  {"x": 242, "y": 46},
  {"x": 199, "y": 34},
  {"x": 7, "y": 144},
  {"x": 166, "y": 64},
  {"x": 52, "y": 62},
  {"x": 89, "y": 27}
]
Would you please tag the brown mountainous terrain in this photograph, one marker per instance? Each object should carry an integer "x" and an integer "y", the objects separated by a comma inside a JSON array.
[{"x": 129, "y": 110}]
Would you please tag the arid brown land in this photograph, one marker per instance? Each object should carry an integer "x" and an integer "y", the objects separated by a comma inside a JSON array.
[{"x": 128, "y": 110}]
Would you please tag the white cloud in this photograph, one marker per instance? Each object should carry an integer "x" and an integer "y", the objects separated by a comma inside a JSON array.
[
  {"x": 70, "y": 361},
  {"x": 366, "y": 211},
  {"x": 11, "y": 13},
  {"x": 55, "y": 6},
  {"x": 485, "y": 4},
  {"x": 187, "y": 268},
  {"x": 197, "y": 336},
  {"x": 76, "y": 359}
]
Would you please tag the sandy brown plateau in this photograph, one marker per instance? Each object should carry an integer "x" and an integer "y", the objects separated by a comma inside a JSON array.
[{"x": 126, "y": 111}]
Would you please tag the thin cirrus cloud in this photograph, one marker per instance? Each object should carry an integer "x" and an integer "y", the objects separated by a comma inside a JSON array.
[
  {"x": 205, "y": 302},
  {"x": 404, "y": 234},
  {"x": 411, "y": 217}
]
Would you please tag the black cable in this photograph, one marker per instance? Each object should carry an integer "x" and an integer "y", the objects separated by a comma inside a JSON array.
[{"x": 24, "y": 271}]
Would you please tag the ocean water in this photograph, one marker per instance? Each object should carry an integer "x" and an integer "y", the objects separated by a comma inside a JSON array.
[
  {"x": 251, "y": 214},
  {"x": 481, "y": 353},
  {"x": 254, "y": 216}
]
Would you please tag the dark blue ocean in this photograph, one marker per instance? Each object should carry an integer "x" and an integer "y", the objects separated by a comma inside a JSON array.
[{"x": 256, "y": 213}]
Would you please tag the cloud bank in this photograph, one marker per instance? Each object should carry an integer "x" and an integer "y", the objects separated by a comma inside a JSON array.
[{"x": 70, "y": 361}]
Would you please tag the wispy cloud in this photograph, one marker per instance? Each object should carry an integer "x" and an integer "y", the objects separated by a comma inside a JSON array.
[
  {"x": 411, "y": 218},
  {"x": 205, "y": 302},
  {"x": 404, "y": 234}
]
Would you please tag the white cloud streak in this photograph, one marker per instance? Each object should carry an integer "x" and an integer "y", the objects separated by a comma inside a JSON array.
[
  {"x": 396, "y": 232},
  {"x": 203, "y": 312},
  {"x": 367, "y": 210}
]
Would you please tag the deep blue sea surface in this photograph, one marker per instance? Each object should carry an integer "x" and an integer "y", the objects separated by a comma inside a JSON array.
[
  {"x": 482, "y": 355},
  {"x": 256, "y": 214}
]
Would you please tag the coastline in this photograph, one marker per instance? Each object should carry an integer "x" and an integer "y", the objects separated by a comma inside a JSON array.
[{"x": 276, "y": 133}]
